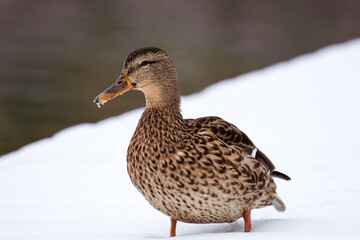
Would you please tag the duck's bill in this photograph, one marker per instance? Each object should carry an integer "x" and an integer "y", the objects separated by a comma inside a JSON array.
[{"x": 120, "y": 86}]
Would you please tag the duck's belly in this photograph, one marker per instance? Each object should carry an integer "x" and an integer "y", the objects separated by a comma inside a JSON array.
[
  {"x": 195, "y": 203},
  {"x": 199, "y": 210}
]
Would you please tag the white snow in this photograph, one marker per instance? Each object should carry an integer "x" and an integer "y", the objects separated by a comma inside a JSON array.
[{"x": 304, "y": 114}]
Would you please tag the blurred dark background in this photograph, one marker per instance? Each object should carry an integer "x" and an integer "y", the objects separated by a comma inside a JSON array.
[{"x": 56, "y": 56}]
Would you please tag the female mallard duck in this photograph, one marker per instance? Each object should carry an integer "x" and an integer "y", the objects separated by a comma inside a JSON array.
[{"x": 201, "y": 170}]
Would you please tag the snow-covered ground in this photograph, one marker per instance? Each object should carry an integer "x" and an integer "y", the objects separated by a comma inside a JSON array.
[{"x": 304, "y": 114}]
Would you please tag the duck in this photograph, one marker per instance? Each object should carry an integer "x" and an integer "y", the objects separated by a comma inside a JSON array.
[{"x": 202, "y": 170}]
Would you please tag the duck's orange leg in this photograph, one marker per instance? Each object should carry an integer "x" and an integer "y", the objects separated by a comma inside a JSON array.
[
  {"x": 173, "y": 227},
  {"x": 247, "y": 220}
]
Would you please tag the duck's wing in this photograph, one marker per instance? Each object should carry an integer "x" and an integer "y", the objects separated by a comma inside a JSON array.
[
  {"x": 232, "y": 136},
  {"x": 225, "y": 131},
  {"x": 209, "y": 161}
]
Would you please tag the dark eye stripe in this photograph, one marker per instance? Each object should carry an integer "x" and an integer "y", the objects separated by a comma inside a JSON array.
[
  {"x": 144, "y": 63},
  {"x": 132, "y": 69}
]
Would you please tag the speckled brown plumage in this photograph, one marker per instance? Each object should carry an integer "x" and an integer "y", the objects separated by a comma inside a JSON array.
[
  {"x": 189, "y": 173},
  {"x": 201, "y": 170}
]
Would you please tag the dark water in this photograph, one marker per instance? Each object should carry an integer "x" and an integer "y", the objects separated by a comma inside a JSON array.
[{"x": 56, "y": 56}]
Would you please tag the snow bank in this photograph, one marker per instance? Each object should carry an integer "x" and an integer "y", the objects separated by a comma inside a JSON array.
[{"x": 304, "y": 114}]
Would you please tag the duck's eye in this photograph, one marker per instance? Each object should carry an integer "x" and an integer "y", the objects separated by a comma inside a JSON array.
[{"x": 144, "y": 63}]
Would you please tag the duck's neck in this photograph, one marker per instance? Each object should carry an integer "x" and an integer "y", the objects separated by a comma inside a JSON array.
[
  {"x": 163, "y": 96},
  {"x": 162, "y": 111},
  {"x": 161, "y": 116},
  {"x": 165, "y": 121}
]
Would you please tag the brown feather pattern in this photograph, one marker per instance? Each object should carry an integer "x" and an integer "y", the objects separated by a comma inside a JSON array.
[{"x": 196, "y": 170}]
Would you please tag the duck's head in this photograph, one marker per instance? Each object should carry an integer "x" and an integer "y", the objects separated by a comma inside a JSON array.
[{"x": 149, "y": 70}]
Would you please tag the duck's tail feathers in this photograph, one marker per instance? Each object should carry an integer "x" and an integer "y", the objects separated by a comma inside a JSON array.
[
  {"x": 278, "y": 204},
  {"x": 280, "y": 175}
]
